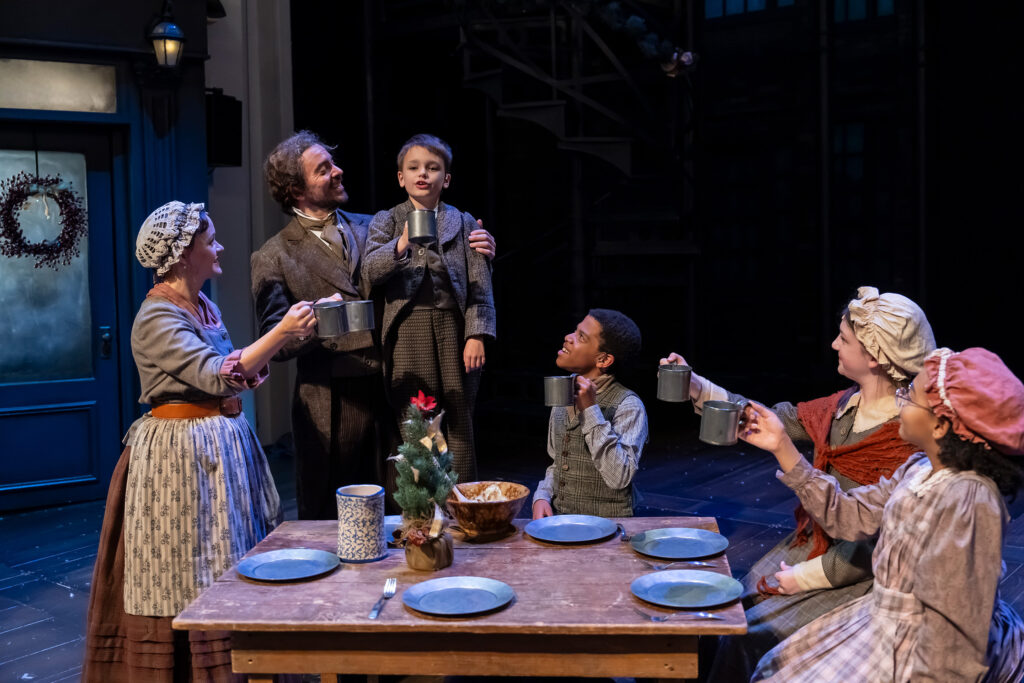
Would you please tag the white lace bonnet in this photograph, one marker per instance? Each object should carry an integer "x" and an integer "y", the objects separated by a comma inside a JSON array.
[{"x": 166, "y": 233}]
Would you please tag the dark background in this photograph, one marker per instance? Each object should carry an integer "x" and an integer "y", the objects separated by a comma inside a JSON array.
[{"x": 814, "y": 148}]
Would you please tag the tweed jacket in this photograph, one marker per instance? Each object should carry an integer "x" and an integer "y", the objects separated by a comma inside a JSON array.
[
  {"x": 295, "y": 265},
  {"x": 469, "y": 271}
]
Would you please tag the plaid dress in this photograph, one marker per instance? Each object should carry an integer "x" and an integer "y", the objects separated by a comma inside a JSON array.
[{"x": 934, "y": 612}]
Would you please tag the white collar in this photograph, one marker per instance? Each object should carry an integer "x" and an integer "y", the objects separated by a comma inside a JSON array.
[
  {"x": 301, "y": 214},
  {"x": 880, "y": 413},
  {"x": 925, "y": 478}
]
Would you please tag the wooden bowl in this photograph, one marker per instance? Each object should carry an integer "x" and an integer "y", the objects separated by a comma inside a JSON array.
[{"x": 483, "y": 521}]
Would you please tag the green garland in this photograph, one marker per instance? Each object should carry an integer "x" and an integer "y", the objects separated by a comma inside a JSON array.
[{"x": 50, "y": 253}]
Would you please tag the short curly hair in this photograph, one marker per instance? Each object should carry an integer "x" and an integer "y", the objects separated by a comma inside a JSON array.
[
  {"x": 283, "y": 167},
  {"x": 962, "y": 455},
  {"x": 620, "y": 336},
  {"x": 432, "y": 144}
]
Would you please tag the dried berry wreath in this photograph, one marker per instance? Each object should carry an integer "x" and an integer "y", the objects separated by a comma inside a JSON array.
[{"x": 15, "y": 191}]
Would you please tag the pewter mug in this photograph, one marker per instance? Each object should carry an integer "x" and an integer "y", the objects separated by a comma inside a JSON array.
[
  {"x": 559, "y": 390},
  {"x": 329, "y": 321},
  {"x": 720, "y": 422},
  {"x": 357, "y": 316},
  {"x": 422, "y": 226},
  {"x": 674, "y": 383}
]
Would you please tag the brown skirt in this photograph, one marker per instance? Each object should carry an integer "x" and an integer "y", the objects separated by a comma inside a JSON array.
[{"x": 125, "y": 647}]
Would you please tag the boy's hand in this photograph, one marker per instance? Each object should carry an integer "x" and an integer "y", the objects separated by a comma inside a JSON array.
[
  {"x": 473, "y": 355},
  {"x": 542, "y": 508},
  {"x": 482, "y": 241},
  {"x": 403, "y": 242},
  {"x": 586, "y": 393}
]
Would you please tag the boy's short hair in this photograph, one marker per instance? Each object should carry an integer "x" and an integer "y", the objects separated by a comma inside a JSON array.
[
  {"x": 283, "y": 167},
  {"x": 620, "y": 336},
  {"x": 431, "y": 143}
]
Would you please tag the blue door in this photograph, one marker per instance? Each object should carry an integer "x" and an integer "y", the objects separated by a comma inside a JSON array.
[{"x": 60, "y": 406}]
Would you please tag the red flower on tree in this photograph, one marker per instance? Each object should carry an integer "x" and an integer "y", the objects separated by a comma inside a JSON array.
[{"x": 423, "y": 402}]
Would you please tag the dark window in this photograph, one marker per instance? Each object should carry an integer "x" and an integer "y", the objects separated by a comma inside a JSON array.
[
  {"x": 713, "y": 9},
  {"x": 858, "y": 10}
]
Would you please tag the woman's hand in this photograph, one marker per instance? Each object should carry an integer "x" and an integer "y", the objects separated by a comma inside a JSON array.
[
  {"x": 761, "y": 427},
  {"x": 298, "y": 321},
  {"x": 473, "y": 355},
  {"x": 673, "y": 359},
  {"x": 403, "y": 242},
  {"x": 695, "y": 384},
  {"x": 333, "y": 297},
  {"x": 787, "y": 580}
]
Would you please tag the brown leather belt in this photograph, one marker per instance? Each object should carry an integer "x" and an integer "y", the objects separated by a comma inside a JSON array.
[{"x": 228, "y": 407}]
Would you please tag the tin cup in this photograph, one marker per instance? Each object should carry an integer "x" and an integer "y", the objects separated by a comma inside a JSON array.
[
  {"x": 361, "y": 523},
  {"x": 674, "y": 383},
  {"x": 422, "y": 226},
  {"x": 329, "y": 321},
  {"x": 559, "y": 390},
  {"x": 357, "y": 316},
  {"x": 720, "y": 422}
]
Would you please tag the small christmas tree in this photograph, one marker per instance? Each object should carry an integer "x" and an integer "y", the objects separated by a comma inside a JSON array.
[{"x": 425, "y": 477}]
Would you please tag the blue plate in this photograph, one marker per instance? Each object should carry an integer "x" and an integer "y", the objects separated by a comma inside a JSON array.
[
  {"x": 679, "y": 543},
  {"x": 686, "y": 588},
  {"x": 571, "y": 528},
  {"x": 456, "y": 596},
  {"x": 391, "y": 522},
  {"x": 289, "y": 564}
]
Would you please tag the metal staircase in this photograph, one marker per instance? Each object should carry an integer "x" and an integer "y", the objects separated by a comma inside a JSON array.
[{"x": 559, "y": 68}]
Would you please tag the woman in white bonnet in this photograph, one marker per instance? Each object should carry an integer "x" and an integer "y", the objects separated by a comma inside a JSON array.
[
  {"x": 192, "y": 491},
  {"x": 882, "y": 343}
]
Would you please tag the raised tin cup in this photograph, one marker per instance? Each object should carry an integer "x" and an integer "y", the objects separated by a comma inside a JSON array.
[
  {"x": 358, "y": 316},
  {"x": 674, "y": 383},
  {"x": 422, "y": 226},
  {"x": 720, "y": 422},
  {"x": 329, "y": 321},
  {"x": 361, "y": 523},
  {"x": 559, "y": 390}
]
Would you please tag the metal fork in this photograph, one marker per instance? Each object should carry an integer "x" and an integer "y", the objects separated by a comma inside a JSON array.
[
  {"x": 622, "y": 533},
  {"x": 666, "y": 617},
  {"x": 389, "y": 592},
  {"x": 692, "y": 563}
]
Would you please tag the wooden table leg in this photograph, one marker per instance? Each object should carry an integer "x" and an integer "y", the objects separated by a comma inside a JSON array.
[{"x": 261, "y": 678}]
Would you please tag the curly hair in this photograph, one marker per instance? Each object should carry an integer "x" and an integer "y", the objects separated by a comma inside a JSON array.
[
  {"x": 962, "y": 455},
  {"x": 619, "y": 335},
  {"x": 283, "y": 168},
  {"x": 432, "y": 144}
]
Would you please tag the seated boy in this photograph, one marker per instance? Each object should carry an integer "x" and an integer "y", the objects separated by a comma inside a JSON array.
[{"x": 596, "y": 443}]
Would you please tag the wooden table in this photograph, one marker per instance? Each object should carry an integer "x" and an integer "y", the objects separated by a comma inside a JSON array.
[{"x": 573, "y": 613}]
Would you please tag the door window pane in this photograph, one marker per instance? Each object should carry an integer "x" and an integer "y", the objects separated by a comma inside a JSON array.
[{"x": 47, "y": 332}]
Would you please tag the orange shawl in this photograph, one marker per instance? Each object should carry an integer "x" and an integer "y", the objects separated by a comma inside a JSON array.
[{"x": 877, "y": 455}]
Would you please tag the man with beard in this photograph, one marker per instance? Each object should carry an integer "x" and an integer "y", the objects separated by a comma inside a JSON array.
[{"x": 341, "y": 422}]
